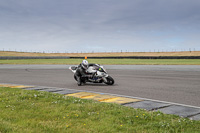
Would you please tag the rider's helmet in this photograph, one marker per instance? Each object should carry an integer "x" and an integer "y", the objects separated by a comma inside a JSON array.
[{"x": 84, "y": 64}]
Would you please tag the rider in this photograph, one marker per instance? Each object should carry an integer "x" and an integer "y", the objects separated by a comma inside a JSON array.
[{"x": 81, "y": 73}]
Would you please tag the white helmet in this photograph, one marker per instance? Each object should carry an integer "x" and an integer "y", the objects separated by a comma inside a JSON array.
[{"x": 84, "y": 64}]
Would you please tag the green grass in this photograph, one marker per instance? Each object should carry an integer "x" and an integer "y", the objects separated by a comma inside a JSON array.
[
  {"x": 107, "y": 61},
  {"x": 36, "y": 111}
]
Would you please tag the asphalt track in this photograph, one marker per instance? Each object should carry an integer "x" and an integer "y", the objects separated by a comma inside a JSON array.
[{"x": 177, "y": 84}]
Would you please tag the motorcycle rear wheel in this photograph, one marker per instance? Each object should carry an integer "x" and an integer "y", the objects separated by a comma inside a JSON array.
[{"x": 75, "y": 78}]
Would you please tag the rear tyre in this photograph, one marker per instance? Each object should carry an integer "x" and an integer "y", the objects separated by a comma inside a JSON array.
[
  {"x": 75, "y": 78},
  {"x": 110, "y": 80}
]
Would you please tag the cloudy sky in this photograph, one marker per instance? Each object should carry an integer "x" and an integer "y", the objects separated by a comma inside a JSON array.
[{"x": 99, "y": 25}]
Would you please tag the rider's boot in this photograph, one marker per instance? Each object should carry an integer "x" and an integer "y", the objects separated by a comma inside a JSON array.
[{"x": 79, "y": 81}]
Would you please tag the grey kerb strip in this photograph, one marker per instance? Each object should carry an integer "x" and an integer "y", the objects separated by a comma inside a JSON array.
[{"x": 168, "y": 108}]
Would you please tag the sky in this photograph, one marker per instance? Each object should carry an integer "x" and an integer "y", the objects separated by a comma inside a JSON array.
[{"x": 99, "y": 25}]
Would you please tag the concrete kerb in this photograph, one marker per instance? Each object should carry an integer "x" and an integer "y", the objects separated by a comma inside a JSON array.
[{"x": 191, "y": 112}]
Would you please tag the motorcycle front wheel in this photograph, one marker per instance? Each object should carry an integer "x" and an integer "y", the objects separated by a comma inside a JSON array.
[{"x": 110, "y": 80}]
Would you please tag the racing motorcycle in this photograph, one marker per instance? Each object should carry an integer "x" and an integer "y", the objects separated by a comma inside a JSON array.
[{"x": 99, "y": 74}]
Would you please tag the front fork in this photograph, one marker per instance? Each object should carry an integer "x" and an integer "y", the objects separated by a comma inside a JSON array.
[{"x": 105, "y": 79}]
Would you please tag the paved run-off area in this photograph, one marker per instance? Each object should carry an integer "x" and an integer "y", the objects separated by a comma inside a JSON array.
[{"x": 165, "y": 107}]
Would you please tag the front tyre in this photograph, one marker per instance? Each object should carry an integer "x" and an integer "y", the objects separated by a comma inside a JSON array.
[{"x": 110, "y": 80}]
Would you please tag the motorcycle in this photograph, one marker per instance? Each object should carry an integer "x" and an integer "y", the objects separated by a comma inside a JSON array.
[{"x": 99, "y": 74}]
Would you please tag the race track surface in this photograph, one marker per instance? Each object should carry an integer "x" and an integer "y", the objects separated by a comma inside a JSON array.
[{"x": 178, "y": 84}]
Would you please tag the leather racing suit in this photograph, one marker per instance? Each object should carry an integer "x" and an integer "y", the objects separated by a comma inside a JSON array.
[{"x": 81, "y": 75}]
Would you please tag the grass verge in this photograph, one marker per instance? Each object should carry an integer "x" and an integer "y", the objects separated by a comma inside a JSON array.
[
  {"x": 37, "y": 111},
  {"x": 107, "y": 61}
]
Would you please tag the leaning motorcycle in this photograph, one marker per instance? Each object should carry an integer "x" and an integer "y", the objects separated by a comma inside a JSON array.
[{"x": 99, "y": 72}]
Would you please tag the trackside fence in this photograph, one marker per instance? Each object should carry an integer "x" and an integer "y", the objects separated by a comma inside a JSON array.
[{"x": 116, "y": 57}]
